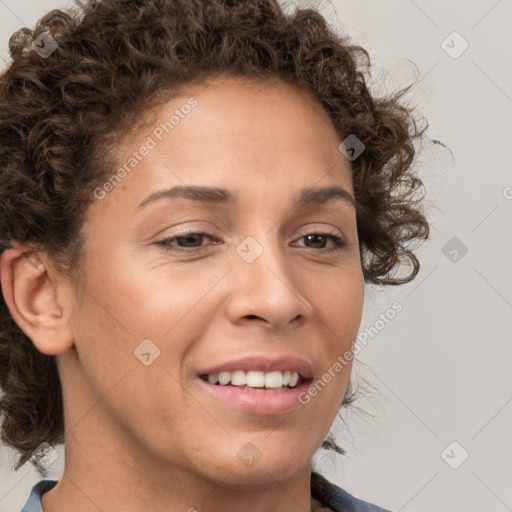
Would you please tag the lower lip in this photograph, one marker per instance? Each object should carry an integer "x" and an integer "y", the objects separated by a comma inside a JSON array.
[{"x": 258, "y": 402}]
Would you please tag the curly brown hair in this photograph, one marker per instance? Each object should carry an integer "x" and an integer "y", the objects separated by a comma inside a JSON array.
[{"x": 63, "y": 115}]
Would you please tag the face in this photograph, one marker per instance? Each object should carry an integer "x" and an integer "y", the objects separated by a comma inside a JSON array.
[{"x": 261, "y": 281}]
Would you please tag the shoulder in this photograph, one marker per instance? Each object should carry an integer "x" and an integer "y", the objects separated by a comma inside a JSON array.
[
  {"x": 338, "y": 499},
  {"x": 33, "y": 503}
]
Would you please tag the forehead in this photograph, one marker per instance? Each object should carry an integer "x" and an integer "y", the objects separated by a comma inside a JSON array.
[
  {"x": 241, "y": 135},
  {"x": 263, "y": 112},
  {"x": 252, "y": 114}
]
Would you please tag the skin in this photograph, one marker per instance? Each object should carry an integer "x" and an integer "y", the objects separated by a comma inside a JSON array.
[{"x": 142, "y": 437}]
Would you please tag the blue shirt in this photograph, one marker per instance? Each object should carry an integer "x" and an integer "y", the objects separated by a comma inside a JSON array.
[{"x": 328, "y": 494}]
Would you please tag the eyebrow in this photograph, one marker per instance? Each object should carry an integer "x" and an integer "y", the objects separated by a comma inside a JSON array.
[{"x": 215, "y": 195}]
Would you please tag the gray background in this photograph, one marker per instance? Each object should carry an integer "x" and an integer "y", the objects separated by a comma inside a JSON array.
[{"x": 442, "y": 367}]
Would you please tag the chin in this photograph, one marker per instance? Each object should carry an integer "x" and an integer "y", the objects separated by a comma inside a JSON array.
[{"x": 250, "y": 466}]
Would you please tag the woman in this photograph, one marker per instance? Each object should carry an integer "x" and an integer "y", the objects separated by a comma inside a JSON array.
[{"x": 194, "y": 195}]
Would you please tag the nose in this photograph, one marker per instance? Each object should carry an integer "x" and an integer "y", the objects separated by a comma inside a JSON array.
[{"x": 266, "y": 289}]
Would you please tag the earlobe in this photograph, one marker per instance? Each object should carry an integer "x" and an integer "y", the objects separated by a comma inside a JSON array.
[{"x": 31, "y": 296}]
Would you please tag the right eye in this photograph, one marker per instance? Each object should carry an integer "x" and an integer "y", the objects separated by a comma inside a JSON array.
[{"x": 187, "y": 237}]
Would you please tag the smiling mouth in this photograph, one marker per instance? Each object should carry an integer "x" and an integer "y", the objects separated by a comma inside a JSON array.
[{"x": 256, "y": 380}]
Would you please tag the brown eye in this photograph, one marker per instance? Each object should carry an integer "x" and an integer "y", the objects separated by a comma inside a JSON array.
[
  {"x": 321, "y": 238},
  {"x": 189, "y": 241}
]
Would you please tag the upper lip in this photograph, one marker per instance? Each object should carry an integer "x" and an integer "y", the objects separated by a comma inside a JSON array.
[{"x": 263, "y": 364}]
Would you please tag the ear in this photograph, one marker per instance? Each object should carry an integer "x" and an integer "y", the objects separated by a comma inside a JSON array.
[{"x": 30, "y": 290}]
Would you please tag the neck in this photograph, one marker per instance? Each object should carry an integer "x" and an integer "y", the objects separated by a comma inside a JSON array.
[{"x": 101, "y": 475}]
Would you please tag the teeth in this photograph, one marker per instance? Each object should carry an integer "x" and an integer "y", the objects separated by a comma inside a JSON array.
[
  {"x": 274, "y": 380},
  {"x": 255, "y": 379},
  {"x": 224, "y": 378},
  {"x": 213, "y": 378},
  {"x": 238, "y": 378}
]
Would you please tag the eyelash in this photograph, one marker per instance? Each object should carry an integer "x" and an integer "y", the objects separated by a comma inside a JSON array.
[{"x": 339, "y": 243}]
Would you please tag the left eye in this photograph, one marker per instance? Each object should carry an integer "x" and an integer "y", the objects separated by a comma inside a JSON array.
[
  {"x": 188, "y": 237},
  {"x": 337, "y": 240}
]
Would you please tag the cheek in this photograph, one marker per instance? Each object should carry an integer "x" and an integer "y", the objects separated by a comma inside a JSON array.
[
  {"x": 134, "y": 330},
  {"x": 157, "y": 300},
  {"x": 124, "y": 317},
  {"x": 338, "y": 302},
  {"x": 138, "y": 302},
  {"x": 338, "y": 312}
]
